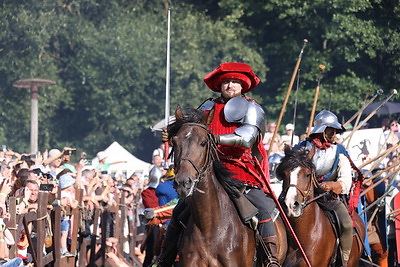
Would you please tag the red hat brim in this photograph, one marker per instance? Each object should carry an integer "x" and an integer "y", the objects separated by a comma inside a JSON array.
[{"x": 240, "y": 71}]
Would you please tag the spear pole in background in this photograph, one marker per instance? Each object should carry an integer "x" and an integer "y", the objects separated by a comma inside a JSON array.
[
  {"x": 321, "y": 70},
  {"x": 167, "y": 90},
  {"x": 305, "y": 41}
]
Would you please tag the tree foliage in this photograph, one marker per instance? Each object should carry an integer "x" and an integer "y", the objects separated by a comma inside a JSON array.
[{"x": 109, "y": 61}]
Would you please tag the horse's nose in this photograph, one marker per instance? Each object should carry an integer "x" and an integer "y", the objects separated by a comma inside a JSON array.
[
  {"x": 295, "y": 209},
  {"x": 182, "y": 185},
  {"x": 187, "y": 182},
  {"x": 295, "y": 205}
]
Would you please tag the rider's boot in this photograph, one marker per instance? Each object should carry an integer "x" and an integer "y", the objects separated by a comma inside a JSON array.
[{"x": 271, "y": 259}]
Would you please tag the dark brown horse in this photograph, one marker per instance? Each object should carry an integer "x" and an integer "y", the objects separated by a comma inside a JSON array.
[
  {"x": 214, "y": 234},
  {"x": 308, "y": 220}
]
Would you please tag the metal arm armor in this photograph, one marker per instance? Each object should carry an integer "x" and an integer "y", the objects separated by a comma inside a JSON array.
[
  {"x": 244, "y": 136},
  {"x": 250, "y": 115}
]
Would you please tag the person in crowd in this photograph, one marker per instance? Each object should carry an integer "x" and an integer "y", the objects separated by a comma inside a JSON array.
[
  {"x": 385, "y": 124},
  {"x": 276, "y": 145},
  {"x": 165, "y": 191},
  {"x": 289, "y": 138},
  {"x": 392, "y": 135},
  {"x": 240, "y": 144},
  {"x": 333, "y": 169},
  {"x": 5, "y": 170},
  {"x": 160, "y": 151},
  {"x": 157, "y": 161},
  {"x": 33, "y": 187},
  {"x": 67, "y": 200},
  {"x": 7, "y": 239},
  {"x": 66, "y": 160},
  {"x": 53, "y": 162},
  {"x": 103, "y": 164},
  {"x": 150, "y": 200}
]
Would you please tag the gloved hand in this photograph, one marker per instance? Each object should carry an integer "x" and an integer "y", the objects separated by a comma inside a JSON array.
[
  {"x": 164, "y": 135},
  {"x": 335, "y": 187},
  {"x": 216, "y": 139},
  {"x": 149, "y": 213}
]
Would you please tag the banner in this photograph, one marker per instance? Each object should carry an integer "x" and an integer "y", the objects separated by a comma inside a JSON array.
[{"x": 364, "y": 144}]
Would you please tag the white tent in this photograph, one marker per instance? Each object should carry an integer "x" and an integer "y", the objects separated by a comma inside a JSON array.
[{"x": 115, "y": 152}]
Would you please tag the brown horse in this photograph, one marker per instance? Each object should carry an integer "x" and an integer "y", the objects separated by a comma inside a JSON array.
[
  {"x": 309, "y": 222},
  {"x": 214, "y": 234}
]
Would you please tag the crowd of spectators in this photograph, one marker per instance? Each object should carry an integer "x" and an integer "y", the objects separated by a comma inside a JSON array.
[{"x": 62, "y": 173}]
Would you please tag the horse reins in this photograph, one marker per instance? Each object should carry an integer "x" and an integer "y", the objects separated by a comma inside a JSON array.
[{"x": 209, "y": 156}]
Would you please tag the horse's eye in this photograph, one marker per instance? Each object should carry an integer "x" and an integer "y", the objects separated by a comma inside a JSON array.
[{"x": 203, "y": 143}]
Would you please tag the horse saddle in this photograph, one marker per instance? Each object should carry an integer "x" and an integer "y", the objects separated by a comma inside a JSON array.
[{"x": 246, "y": 210}]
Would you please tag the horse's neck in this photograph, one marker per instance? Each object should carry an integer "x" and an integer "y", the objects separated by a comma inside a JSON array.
[
  {"x": 311, "y": 218},
  {"x": 209, "y": 203}
]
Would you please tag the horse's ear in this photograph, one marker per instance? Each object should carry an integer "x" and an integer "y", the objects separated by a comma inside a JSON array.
[
  {"x": 179, "y": 113},
  {"x": 204, "y": 119}
]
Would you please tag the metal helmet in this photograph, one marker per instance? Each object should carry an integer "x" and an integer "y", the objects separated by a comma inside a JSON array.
[
  {"x": 154, "y": 176},
  {"x": 273, "y": 162},
  {"x": 325, "y": 119}
]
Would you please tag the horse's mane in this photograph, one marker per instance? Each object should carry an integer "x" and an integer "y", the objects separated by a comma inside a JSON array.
[
  {"x": 224, "y": 176},
  {"x": 294, "y": 158},
  {"x": 188, "y": 115}
]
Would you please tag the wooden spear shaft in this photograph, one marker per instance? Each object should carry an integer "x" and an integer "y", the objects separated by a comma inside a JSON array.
[
  {"x": 394, "y": 92},
  {"x": 164, "y": 209},
  {"x": 321, "y": 69},
  {"x": 378, "y": 92},
  {"x": 376, "y": 163},
  {"x": 395, "y": 172},
  {"x": 305, "y": 41},
  {"x": 383, "y": 154}
]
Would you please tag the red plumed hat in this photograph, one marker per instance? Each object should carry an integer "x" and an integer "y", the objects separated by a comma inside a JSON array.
[{"x": 240, "y": 71}]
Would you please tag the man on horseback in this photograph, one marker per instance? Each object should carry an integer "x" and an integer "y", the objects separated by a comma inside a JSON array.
[
  {"x": 333, "y": 169},
  {"x": 238, "y": 125}
]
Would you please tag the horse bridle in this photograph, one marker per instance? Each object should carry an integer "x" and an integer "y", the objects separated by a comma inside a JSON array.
[
  {"x": 209, "y": 156},
  {"x": 306, "y": 194}
]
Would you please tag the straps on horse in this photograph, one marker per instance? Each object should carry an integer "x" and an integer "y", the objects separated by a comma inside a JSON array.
[{"x": 266, "y": 243}]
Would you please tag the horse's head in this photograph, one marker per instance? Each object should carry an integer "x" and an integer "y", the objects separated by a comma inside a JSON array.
[
  {"x": 192, "y": 143},
  {"x": 298, "y": 175}
]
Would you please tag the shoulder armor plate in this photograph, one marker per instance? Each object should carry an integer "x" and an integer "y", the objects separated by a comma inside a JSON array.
[
  {"x": 236, "y": 109},
  {"x": 207, "y": 105},
  {"x": 255, "y": 116}
]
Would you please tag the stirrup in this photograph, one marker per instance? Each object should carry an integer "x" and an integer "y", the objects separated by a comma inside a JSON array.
[
  {"x": 272, "y": 263},
  {"x": 157, "y": 263}
]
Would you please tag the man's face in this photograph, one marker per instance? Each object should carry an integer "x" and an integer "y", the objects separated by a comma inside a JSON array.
[
  {"x": 34, "y": 188},
  {"x": 33, "y": 176},
  {"x": 66, "y": 158},
  {"x": 6, "y": 173},
  {"x": 271, "y": 127},
  {"x": 157, "y": 160},
  {"x": 56, "y": 163},
  {"x": 231, "y": 88},
  {"x": 330, "y": 134}
]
